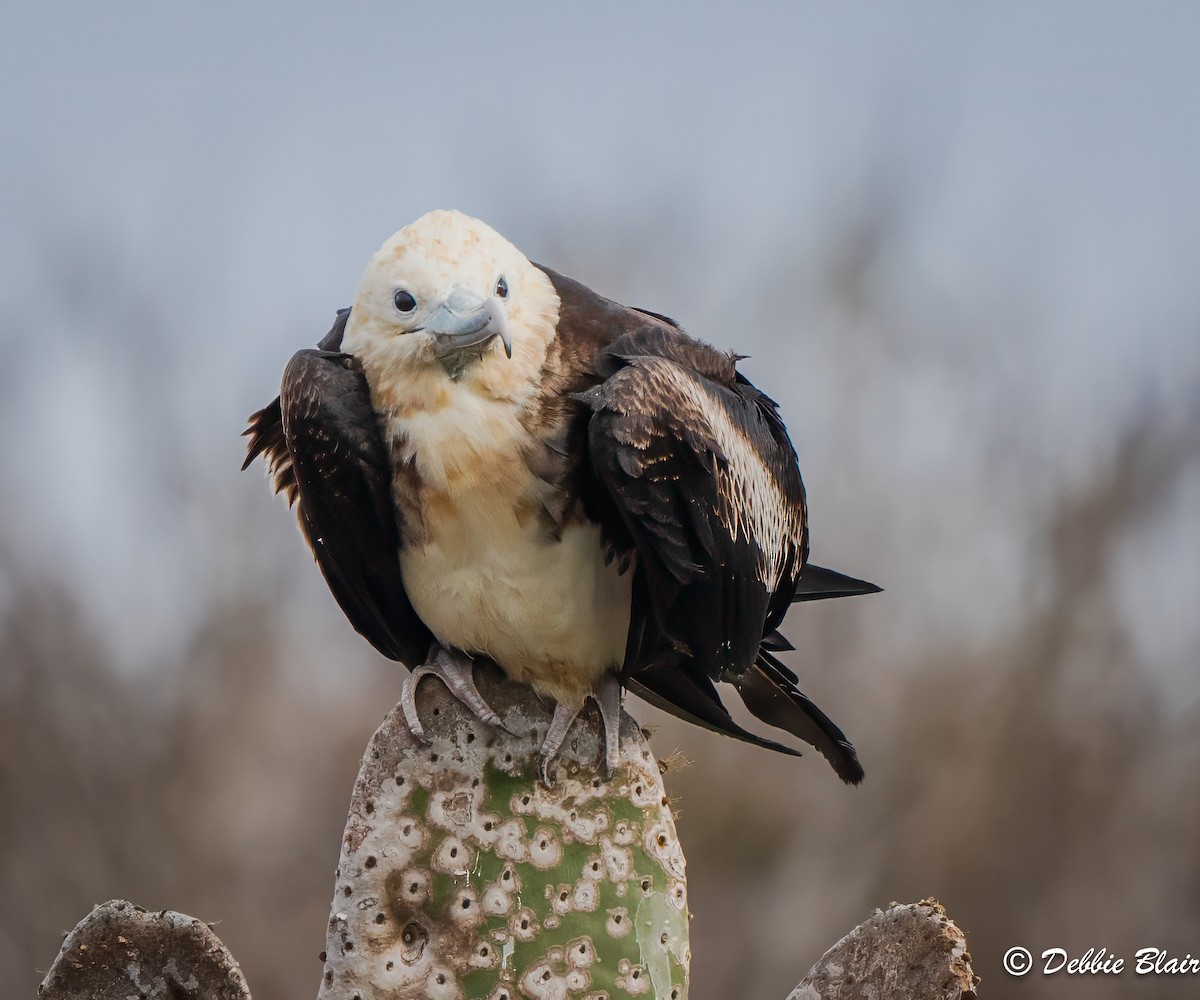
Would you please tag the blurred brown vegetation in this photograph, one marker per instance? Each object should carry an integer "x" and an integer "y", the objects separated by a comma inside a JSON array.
[{"x": 1038, "y": 778}]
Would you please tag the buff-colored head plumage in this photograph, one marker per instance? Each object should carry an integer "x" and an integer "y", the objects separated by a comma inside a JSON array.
[{"x": 448, "y": 298}]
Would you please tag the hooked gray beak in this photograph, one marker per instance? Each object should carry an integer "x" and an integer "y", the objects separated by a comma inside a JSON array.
[{"x": 466, "y": 320}]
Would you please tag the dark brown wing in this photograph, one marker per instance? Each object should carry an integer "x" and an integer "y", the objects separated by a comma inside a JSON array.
[
  {"x": 266, "y": 426},
  {"x": 322, "y": 444},
  {"x": 698, "y": 468}
]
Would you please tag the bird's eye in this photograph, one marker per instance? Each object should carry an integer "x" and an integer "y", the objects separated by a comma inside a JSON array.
[
  {"x": 404, "y": 301},
  {"x": 502, "y": 288}
]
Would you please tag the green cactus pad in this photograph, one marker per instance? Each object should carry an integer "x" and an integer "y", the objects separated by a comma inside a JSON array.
[{"x": 462, "y": 877}]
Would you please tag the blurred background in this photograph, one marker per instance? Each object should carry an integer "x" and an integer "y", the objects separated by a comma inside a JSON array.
[{"x": 960, "y": 244}]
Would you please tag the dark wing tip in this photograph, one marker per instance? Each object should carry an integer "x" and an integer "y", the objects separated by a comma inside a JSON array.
[
  {"x": 768, "y": 692},
  {"x": 776, "y": 642},
  {"x": 816, "y": 583},
  {"x": 846, "y": 763},
  {"x": 691, "y": 696},
  {"x": 659, "y": 316},
  {"x": 265, "y": 426},
  {"x": 853, "y": 775},
  {"x": 332, "y": 341}
]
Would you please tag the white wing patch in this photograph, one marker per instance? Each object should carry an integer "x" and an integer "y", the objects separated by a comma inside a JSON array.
[{"x": 759, "y": 510}]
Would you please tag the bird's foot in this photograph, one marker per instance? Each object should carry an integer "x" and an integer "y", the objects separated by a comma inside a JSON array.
[
  {"x": 457, "y": 672},
  {"x": 607, "y": 696}
]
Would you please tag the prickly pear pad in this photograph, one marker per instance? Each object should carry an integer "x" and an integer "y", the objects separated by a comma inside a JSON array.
[{"x": 462, "y": 877}]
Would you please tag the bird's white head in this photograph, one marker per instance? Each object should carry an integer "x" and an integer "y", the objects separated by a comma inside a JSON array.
[{"x": 448, "y": 298}]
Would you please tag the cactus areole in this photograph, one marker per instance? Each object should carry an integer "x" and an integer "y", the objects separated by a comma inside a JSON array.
[{"x": 462, "y": 875}]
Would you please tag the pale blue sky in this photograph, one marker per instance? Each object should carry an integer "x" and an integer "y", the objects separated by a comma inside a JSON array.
[{"x": 187, "y": 193}]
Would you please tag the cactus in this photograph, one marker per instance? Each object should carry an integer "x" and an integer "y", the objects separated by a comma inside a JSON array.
[
  {"x": 119, "y": 951},
  {"x": 461, "y": 876}
]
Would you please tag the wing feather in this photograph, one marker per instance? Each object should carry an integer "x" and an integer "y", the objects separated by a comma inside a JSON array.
[
  {"x": 698, "y": 466},
  {"x": 321, "y": 441}
]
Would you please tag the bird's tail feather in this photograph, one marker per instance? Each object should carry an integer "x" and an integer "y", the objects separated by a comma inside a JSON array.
[
  {"x": 690, "y": 695},
  {"x": 776, "y": 642},
  {"x": 816, "y": 583},
  {"x": 770, "y": 694}
]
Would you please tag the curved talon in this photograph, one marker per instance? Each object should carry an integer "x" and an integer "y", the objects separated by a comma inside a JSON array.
[
  {"x": 456, "y": 671},
  {"x": 607, "y": 697},
  {"x": 608, "y": 700},
  {"x": 559, "y": 725},
  {"x": 408, "y": 703}
]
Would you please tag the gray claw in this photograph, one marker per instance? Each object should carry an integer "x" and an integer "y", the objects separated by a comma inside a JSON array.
[
  {"x": 457, "y": 672},
  {"x": 608, "y": 700},
  {"x": 607, "y": 697},
  {"x": 408, "y": 703}
]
